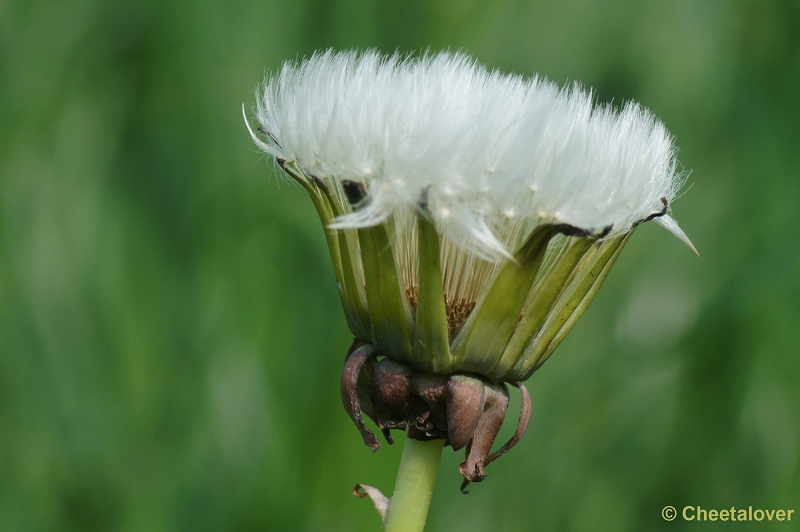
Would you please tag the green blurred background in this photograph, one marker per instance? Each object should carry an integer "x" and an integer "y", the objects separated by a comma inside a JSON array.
[{"x": 170, "y": 332}]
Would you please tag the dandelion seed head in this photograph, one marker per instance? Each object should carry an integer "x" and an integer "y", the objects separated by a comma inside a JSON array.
[{"x": 488, "y": 147}]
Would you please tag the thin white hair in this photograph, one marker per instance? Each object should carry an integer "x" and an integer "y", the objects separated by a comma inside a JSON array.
[{"x": 494, "y": 154}]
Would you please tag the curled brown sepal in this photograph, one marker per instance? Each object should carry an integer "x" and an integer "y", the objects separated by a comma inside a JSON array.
[
  {"x": 465, "y": 402},
  {"x": 494, "y": 412},
  {"x": 353, "y": 346},
  {"x": 428, "y": 407},
  {"x": 349, "y": 387},
  {"x": 390, "y": 390},
  {"x": 522, "y": 424},
  {"x": 381, "y": 501}
]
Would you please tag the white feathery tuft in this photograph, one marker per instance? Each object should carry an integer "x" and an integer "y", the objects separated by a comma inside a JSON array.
[{"x": 496, "y": 154}]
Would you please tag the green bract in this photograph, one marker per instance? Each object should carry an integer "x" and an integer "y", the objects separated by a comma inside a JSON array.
[{"x": 522, "y": 313}]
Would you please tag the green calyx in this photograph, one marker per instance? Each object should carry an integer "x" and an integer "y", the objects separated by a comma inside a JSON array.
[
  {"x": 389, "y": 307},
  {"x": 524, "y": 311},
  {"x": 431, "y": 352},
  {"x": 343, "y": 248},
  {"x": 483, "y": 338}
]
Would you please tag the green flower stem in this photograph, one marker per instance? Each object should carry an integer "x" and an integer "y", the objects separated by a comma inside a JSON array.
[{"x": 414, "y": 486}]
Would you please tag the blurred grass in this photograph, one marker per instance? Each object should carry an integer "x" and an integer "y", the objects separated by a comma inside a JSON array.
[{"x": 170, "y": 332}]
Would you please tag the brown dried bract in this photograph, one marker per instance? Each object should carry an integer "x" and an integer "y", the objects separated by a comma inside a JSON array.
[{"x": 465, "y": 410}]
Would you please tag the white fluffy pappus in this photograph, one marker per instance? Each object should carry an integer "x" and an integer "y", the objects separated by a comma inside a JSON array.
[{"x": 496, "y": 154}]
